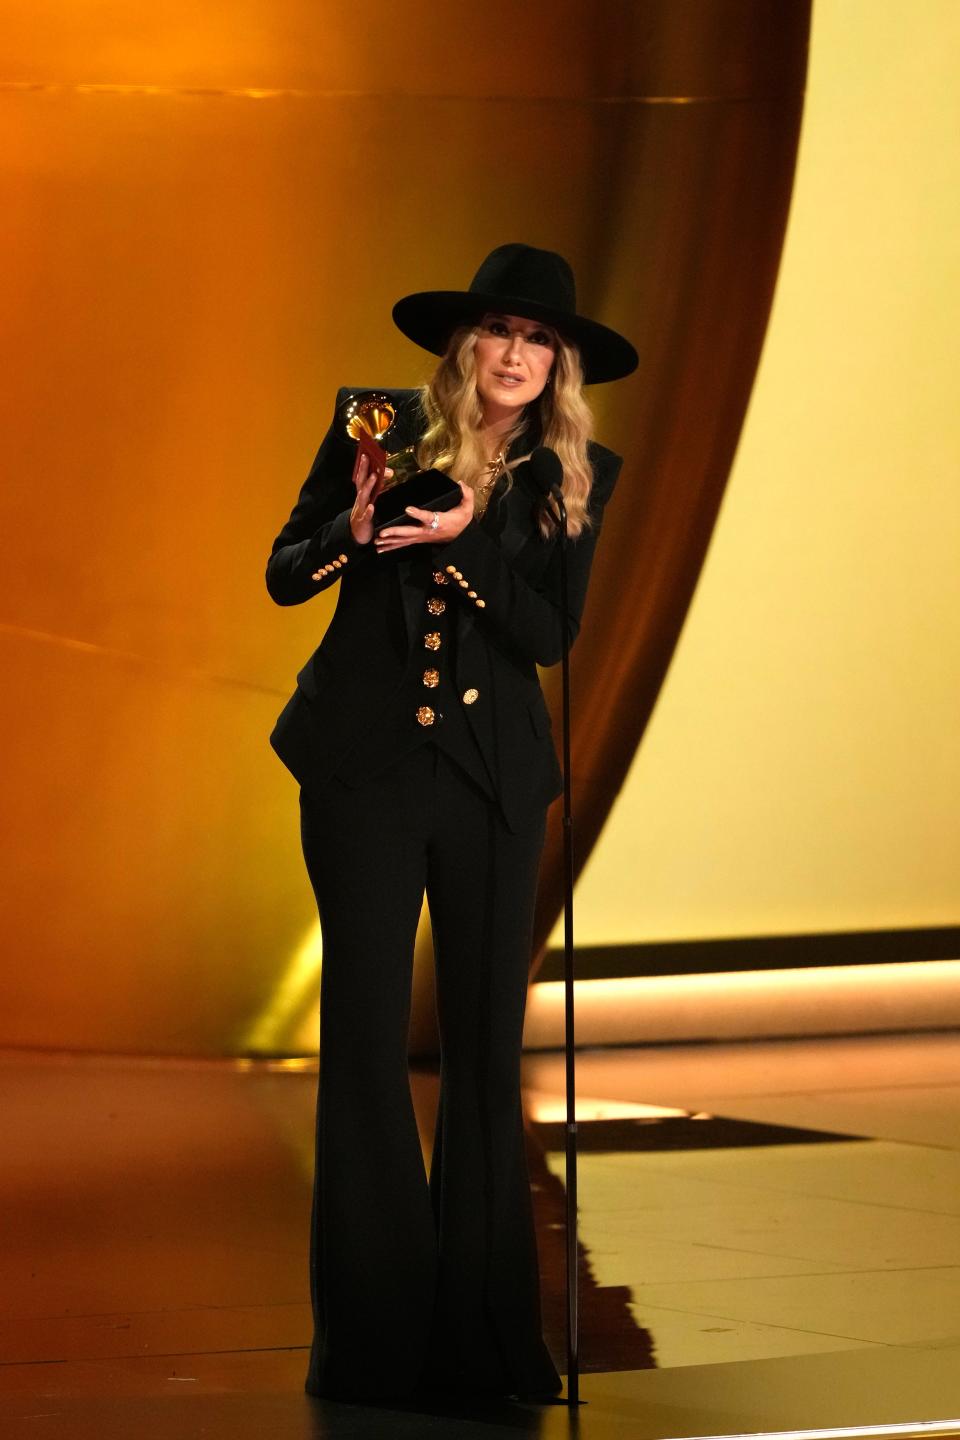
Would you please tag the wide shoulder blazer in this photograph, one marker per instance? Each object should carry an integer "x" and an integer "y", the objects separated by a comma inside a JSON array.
[{"x": 503, "y": 588}]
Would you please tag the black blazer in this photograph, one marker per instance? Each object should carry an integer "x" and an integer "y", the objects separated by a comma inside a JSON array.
[{"x": 507, "y": 615}]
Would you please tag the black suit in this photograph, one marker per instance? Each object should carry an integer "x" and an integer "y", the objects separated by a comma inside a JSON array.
[{"x": 405, "y": 1290}]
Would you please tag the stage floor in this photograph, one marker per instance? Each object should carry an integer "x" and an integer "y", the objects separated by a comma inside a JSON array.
[{"x": 770, "y": 1241}]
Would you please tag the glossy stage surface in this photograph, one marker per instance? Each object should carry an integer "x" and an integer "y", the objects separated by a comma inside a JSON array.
[{"x": 770, "y": 1242}]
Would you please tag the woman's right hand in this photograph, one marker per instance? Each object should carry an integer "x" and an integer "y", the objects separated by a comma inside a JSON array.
[{"x": 361, "y": 516}]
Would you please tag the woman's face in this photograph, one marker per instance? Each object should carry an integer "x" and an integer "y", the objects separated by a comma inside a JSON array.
[{"x": 514, "y": 359}]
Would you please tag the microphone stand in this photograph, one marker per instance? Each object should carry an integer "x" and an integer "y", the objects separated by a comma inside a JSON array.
[{"x": 570, "y": 1164}]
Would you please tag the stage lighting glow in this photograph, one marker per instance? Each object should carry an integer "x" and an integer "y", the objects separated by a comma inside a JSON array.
[
  {"x": 845, "y": 1432},
  {"x": 820, "y": 1000},
  {"x": 299, "y": 988},
  {"x": 546, "y": 1108}
]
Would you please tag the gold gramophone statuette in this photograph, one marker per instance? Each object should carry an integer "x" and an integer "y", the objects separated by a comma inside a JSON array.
[
  {"x": 403, "y": 463},
  {"x": 369, "y": 411},
  {"x": 375, "y": 413}
]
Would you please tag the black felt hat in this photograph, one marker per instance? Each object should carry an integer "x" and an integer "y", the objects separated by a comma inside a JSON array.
[{"x": 518, "y": 280}]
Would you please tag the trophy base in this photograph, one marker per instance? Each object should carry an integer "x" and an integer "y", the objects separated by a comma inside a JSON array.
[{"x": 426, "y": 489}]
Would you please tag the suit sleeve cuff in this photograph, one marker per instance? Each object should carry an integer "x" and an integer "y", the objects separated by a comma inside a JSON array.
[{"x": 336, "y": 535}]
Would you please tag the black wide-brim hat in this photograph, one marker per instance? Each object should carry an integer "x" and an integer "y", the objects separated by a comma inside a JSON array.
[{"x": 518, "y": 280}]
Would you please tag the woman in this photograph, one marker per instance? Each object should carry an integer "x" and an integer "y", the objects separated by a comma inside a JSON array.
[{"x": 422, "y": 744}]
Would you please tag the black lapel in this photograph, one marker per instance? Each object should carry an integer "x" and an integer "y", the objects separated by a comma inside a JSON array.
[
  {"x": 411, "y": 576},
  {"x": 520, "y": 505},
  {"x": 406, "y": 430}
]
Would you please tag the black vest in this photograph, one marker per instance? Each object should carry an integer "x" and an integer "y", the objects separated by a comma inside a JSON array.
[{"x": 426, "y": 708}]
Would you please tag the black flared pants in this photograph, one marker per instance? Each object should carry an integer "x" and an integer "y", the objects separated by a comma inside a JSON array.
[{"x": 414, "y": 1282}]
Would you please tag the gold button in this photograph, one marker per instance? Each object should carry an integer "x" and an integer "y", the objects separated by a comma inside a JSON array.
[
  {"x": 451, "y": 570},
  {"x": 436, "y": 606},
  {"x": 317, "y": 575},
  {"x": 470, "y": 695},
  {"x": 481, "y": 604},
  {"x": 457, "y": 574},
  {"x": 336, "y": 565},
  {"x": 471, "y": 594},
  {"x": 432, "y": 639},
  {"x": 425, "y": 715},
  {"x": 431, "y": 678},
  {"x": 464, "y": 584},
  {"x": 439, "y": 578},
  {"x": 343, "y": 559}
]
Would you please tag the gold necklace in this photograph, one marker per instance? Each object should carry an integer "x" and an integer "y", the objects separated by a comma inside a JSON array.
[{"x": 490, "y": 474}]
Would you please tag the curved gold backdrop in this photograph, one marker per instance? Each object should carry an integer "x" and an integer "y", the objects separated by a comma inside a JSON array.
[{"x": 209, "y": 214}]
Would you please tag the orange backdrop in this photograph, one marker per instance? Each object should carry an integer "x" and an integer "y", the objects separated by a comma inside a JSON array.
[{"x": 209, "y": 211}]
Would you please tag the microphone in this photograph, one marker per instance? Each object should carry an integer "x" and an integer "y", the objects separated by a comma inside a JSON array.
[{"x": 546, "y": 470}]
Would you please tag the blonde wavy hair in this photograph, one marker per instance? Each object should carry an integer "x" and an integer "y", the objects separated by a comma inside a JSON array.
[{"x": 452, "y": 440}]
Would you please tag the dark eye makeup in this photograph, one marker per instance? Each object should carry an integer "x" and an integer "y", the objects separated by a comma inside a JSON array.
[{"x": 496, "y": 326}]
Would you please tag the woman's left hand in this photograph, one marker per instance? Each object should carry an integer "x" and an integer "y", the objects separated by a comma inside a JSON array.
[{"x": 448, "y": 526}]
